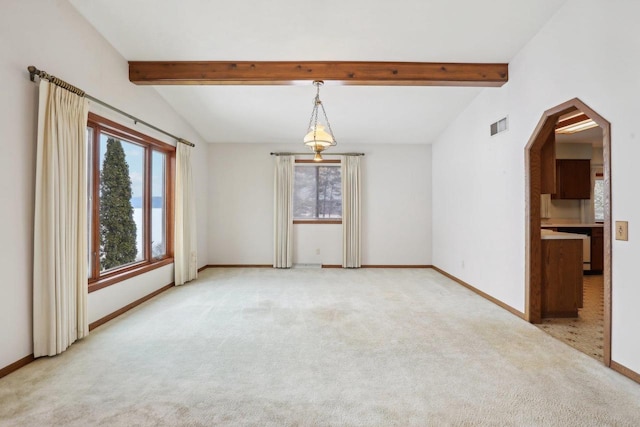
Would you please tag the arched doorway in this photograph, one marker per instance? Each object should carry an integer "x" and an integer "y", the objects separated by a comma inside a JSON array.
[{"x": 538, "y": 159}]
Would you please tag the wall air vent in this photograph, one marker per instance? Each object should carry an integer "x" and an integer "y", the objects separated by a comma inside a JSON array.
[{"x": 499, "y": 126}]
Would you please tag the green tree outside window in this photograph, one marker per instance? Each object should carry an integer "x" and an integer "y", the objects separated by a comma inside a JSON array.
[{"x": 117, "y": 226}]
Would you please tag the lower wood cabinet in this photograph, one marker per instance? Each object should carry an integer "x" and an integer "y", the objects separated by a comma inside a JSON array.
[
  {"x": 561, "y": 277},
  {"x": 597, "y": 249}
]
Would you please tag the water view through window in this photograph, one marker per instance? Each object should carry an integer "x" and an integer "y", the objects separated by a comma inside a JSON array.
[
  {"x": 158, "y": 204},
  {"x": 129, "y": 198}
]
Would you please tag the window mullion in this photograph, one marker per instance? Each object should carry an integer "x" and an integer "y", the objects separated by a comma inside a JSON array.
[{"x": 146, "y": 235}]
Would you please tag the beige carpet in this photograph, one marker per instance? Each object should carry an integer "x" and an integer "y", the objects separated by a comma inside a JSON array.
[
  {"x": 307, "y": 347},
  {"x": 585, "y": 332}
]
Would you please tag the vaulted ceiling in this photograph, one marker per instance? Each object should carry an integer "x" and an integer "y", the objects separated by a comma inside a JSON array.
[{"x": 491, "y": 31}]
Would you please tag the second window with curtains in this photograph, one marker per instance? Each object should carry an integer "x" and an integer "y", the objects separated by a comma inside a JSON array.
[
  {"x": 317, "y": 193},
  {"x": 130, "y": 209}
]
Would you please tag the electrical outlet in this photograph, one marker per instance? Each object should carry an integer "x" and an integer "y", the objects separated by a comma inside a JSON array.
[
  {"x": 318, "y": 251},
  {"x": 622, "y": 230}
]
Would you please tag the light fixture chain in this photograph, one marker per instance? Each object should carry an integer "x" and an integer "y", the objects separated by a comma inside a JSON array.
[
  {"x": 326, "y": 119},
  {"x": 314, "y": 114},
  {"x": 315, "y": 119},
  {"x": 316, "y": 130},
  {"x": 316, "y": 102}
]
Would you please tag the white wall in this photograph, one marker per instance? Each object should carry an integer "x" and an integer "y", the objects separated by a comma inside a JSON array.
[
  {"x": 107, "y": 300},
  {"x": 587, "y": 50},
  {"x": 53, "y": 37},
  {"x": 564, "y": 209},
  {"x": 396, "y": 218},
  {"x": 574, "y": 151}
]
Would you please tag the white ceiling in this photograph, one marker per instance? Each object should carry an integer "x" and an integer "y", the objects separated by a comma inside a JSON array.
[{"x": 355, "y": 30}]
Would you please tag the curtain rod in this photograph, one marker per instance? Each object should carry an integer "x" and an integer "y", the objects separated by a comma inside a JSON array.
[
  {"x": 311, "y": 154},
  {"x": 33, "y": 71}
]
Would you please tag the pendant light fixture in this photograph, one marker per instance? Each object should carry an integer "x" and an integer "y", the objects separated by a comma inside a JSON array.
[{"x": 320, "y": 136}]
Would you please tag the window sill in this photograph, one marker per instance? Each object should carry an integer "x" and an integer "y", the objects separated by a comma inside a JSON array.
[
  {"x": 120, "y": 276},
  {"x": 317, "y": 221}
]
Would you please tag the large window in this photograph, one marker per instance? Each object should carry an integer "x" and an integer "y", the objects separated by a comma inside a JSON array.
[
  {"x": 129, "y": 202},
  {"x": 317, "y": 192}
]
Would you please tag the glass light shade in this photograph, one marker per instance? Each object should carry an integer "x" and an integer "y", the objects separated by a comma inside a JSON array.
[{"x": 322, "y": 137}]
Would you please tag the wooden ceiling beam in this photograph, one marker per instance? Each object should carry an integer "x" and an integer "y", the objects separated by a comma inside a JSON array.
[
  {"x": 572, "y": 121},
  {"x": 292, "y": 72}
]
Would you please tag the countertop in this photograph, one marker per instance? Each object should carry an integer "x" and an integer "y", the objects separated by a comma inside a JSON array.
[
  {"x": 556, "y": 235},
  {"x": 571, "y": 225}
]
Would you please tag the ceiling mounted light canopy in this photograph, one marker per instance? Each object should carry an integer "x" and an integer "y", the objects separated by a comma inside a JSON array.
[{"x": 319, "y": 136}]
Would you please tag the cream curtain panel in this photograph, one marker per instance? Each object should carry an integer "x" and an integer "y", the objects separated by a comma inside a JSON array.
[
  {"x": 283, "y": 212},
  {"x": 60, "y": 222},
  {"x": 185, "y": 256},
  {"x": 350, "y": 168}
]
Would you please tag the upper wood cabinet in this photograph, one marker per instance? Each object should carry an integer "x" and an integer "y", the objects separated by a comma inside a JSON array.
[
  {"x": 548, "y": 165},
  {"x": 573, "y": 179}
]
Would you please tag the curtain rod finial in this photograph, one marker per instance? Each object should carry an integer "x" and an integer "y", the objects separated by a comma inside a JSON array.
[
  {"x": 32, "y": 72},
  {"x": 184, "y": 141}
]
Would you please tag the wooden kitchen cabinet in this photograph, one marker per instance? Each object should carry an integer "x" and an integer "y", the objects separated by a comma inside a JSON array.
[
  {"x": 561, "y": 277},
  {"x": 573, "y": 179},
  {"x": 548, "y": 165},
  {"x": 597, "y": 249}
]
